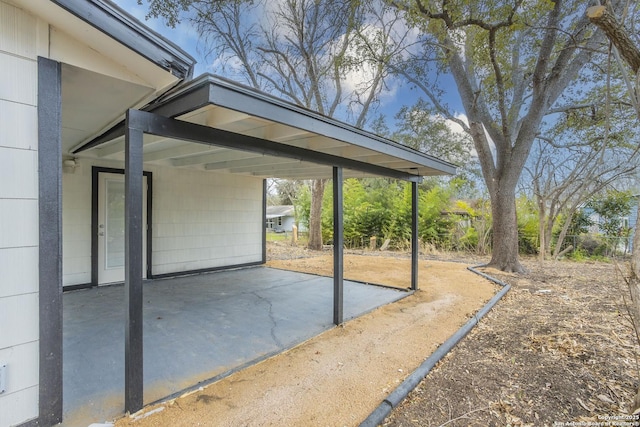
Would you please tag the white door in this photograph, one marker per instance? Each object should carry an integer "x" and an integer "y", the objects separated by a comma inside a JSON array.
[{"x": 111, "y": 228}]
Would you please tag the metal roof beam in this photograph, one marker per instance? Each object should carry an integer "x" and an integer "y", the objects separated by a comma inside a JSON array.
[
  {"x": 274, "y": 167},
  {"x": 111, "y": 149},
  {"x": 278, "y": 132},
  {"x": 171, "y": 128},
  {"x": 319, "y": 173},
  {"x": 222, "y": 116},
  {"x": 181, "y": 151}
]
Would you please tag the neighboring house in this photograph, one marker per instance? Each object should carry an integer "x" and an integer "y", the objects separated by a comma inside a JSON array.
[
  {"x": 626, "y": 222},
  {"x": 87, "y": 93},
  {"x": 282, "y": 218}
]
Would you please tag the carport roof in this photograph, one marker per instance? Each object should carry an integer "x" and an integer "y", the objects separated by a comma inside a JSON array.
[{"x": 297, "y": 143}]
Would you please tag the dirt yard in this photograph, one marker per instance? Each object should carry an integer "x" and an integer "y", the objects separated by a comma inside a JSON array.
[
  {"x": 339, "y": 377},
  {"x": 557, "y": 349}
]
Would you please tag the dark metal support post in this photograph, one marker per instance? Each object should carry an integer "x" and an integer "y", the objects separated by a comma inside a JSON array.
[
  {"x": 133, "y": 366},
  {"x": 338, "y": 245},
  {"x": 264, "y": 221},
  {"x": 50, "y": 239},
  {"x": 414, "y": 236}
]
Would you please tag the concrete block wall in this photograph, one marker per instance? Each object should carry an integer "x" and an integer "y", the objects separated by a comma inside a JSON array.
[
  {"x": 22, "y": 38},
  {"x": 200, "y": 220}
]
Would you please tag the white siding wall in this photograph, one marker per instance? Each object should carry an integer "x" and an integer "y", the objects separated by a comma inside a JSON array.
[
  {"x": 287, "y": 223},
  {"x": 200, "y": 220},
  {"x": 22, "y": 39},
  {"x": 76, "y": 225},
  {"x": 204, "y": 220}
]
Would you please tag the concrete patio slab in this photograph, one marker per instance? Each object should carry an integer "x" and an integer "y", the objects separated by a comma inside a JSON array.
[{"x": 196, "y": 328}]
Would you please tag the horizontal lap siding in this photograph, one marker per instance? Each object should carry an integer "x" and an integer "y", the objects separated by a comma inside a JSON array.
[
  {"x": 20, "y": 40},
  {"x": 76, "y": 225},
  {"x": 205, "y": 220}
]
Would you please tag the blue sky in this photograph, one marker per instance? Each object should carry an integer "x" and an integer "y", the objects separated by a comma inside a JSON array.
[{"x": 186, "y": 37}]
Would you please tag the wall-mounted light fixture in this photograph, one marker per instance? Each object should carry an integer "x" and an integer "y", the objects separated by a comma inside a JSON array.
[{"x": 69, "y": 165}]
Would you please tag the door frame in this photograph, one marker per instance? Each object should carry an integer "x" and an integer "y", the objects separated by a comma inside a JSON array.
[{"x": 95, "y": 173}]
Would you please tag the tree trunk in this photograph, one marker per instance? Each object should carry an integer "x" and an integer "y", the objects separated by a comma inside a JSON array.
[
  {"x": 548, "y": 238},
  {"x": 504, "y": 254},
  {"x": 562, "y": 236},
  {"x": 315, "y": 215},
  {"x": 542, "y": 251}
]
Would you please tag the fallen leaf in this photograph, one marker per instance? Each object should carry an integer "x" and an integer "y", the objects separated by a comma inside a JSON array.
[
  {"x": 584, "y": 405},
  {"x": 605, "y": 398}
]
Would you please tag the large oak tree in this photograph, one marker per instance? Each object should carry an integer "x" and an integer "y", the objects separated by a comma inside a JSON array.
[{"x": 511, "y": 63}]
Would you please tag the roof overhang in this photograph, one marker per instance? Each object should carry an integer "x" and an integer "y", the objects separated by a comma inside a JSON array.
[
  {"x": 122, "y": 27},
  {"x": 241, "y": 130},
  {"x": 110, "y": 62}
]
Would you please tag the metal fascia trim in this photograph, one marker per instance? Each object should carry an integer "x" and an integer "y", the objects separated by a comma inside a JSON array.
[{"x": 124, "y": 28}]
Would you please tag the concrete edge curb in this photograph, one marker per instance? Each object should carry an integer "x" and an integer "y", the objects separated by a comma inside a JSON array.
[{"x": 400, "y": 393}]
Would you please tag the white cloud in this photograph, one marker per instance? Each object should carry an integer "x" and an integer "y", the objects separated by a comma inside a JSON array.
[
  {"x": 456, "y": 128},
  {"x": 228, "y": 66}
]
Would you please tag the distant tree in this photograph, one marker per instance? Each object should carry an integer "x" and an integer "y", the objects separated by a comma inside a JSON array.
[
  {"x": 272, "y": 196},
  {"x": 582, "y": 154},
  {"x": 421, "y": 128},
  {"x": 580, "y": 223},
  {"x": 302, "y": 50},
  {"x": 287, "y": 191},
  {"x": 368, "y": 208},
  {"x": 611, "y": 208}
]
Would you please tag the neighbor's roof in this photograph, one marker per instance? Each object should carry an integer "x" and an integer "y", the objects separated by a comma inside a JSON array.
[
  {"x": 277, "y": 211},
  {"x": 312, "y": 140}
]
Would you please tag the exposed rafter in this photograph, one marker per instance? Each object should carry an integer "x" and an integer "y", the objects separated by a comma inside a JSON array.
[{"x": 219, "y": 155}]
